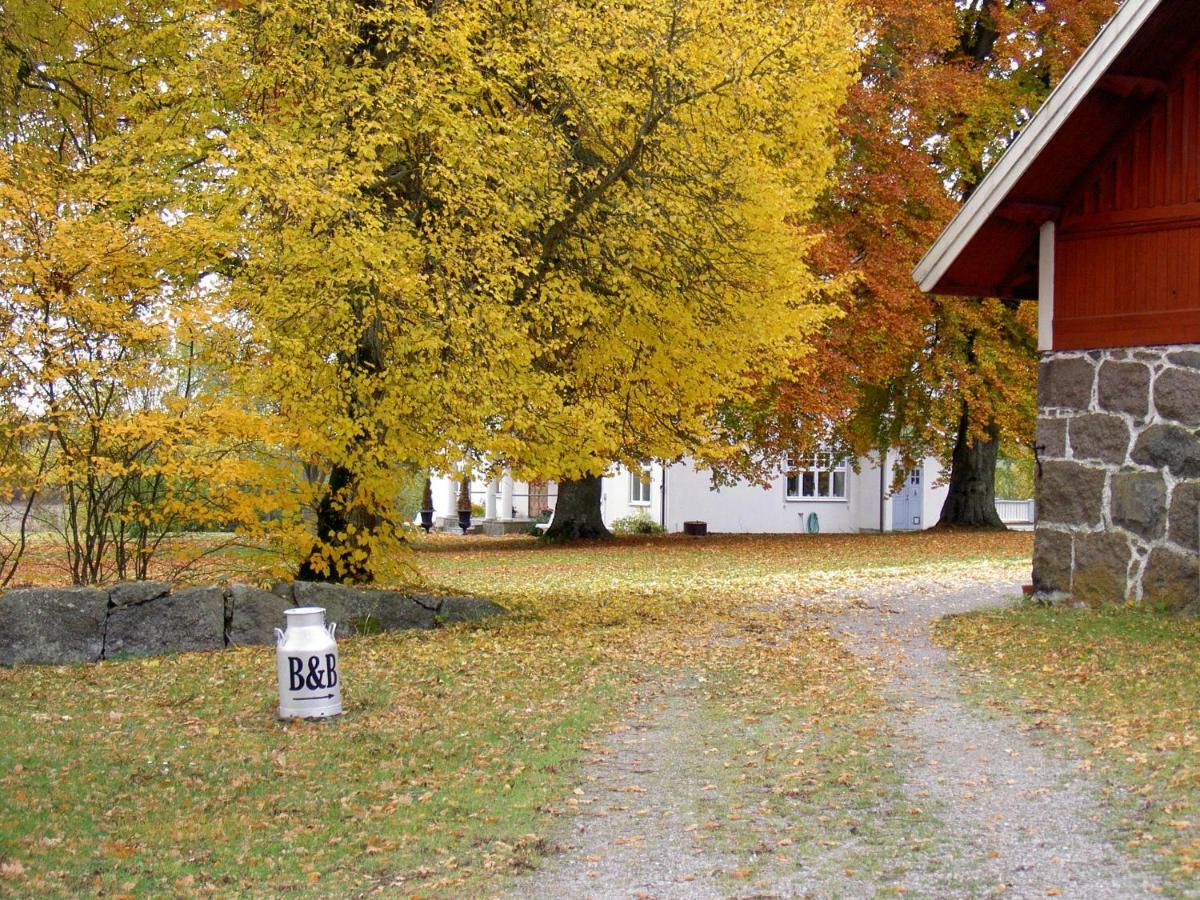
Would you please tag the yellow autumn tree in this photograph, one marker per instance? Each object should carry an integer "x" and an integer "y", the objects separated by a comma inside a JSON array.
[
  {"x": 112, "y": 410},
  {"x": 552, "y": 234},
  {"x": 663, "y": 279},
  {"x": 277, "y": 255},
  {"x": 369, "y": 189}
]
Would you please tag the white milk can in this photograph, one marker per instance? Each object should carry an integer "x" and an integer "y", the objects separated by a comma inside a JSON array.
[{"x": 307, "y": 662}]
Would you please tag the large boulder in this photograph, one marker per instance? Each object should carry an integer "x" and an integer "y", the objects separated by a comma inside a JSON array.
[
  {"x": 190, "y": 619},
  {"x": 462, "y": 609},
  {"x": 399, "y": 610},
  {"x": 362, "y": 611},
  {"x": 253, "y": 615},
  {"x": 74, "y": 625},
  {"x": 126, "y": 593},
  {"x": 52, "y": 625},
  {"x": 285, "y": 589}
]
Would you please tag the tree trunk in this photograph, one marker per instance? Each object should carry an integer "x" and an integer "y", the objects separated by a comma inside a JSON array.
[
  {"x": 331, "y": 532},
  {"x": 971, "y": 502},
  {"x": 577, "y": 512},
  {"x": 339, "y": 507}
]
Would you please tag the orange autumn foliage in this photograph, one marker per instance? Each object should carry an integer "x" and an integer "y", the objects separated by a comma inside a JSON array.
[{"x": 944, "y": 90}]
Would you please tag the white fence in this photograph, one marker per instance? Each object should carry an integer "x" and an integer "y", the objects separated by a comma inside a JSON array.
[{"x": 1016, "y": 512}]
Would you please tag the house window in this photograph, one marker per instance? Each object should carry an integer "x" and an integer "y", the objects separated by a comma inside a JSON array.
[
  {"x": 817, "y": 477},
  {"x": 639, "y": 486}
]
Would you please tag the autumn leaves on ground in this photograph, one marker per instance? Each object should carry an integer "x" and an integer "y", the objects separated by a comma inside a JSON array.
[{"x": 457, "y": 763}]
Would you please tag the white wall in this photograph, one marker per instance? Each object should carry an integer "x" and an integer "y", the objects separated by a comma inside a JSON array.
[
  {"x": 935, "y": 494},
  {"x": 750, "y": 509},
  {"x": 746, "y": 508},
  {"x": 865, "y": 490},
  {"x": 615, "y": 493}
]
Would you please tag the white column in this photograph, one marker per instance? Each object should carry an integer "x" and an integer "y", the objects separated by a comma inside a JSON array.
[
  {"x": 489, "y": 504},
  {"x": 451, "y": 497},
  {"x": 506, "y": 498},
  {"x": 1046, "y": 287},
  {"x": 885, "y": 499}
]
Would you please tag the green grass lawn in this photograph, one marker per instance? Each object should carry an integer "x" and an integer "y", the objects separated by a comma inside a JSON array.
[
  {"x": 172, "y": 775},
  {"x": 1121, "y": 687}
]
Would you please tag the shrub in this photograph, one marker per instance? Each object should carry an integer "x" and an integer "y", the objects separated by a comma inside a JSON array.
[{"x": 638, "y": 523}]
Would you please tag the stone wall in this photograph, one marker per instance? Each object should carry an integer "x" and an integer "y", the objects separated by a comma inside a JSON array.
[
  {"x": 1118, "y": 441},
  {"x": 147, "y": 618}
]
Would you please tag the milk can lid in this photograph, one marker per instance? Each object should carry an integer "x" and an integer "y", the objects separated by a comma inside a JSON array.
[{"x": 304, "y": 610}]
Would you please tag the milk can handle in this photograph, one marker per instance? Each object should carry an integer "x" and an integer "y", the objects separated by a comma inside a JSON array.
[
  {"x": 278, "y": 636},
  {"x": 332, "y": 627}
]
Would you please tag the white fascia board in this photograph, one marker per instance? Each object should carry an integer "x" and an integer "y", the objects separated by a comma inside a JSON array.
[{"x": 1038, "y": 132}]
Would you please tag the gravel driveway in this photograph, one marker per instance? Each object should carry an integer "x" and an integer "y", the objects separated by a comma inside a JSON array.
[
  {"x": 1014, "y": 819},
  {"x": 1025, "y": 823}
]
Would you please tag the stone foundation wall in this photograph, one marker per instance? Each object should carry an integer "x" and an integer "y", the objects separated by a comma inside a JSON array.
[{"x": 1118, "y": 442}]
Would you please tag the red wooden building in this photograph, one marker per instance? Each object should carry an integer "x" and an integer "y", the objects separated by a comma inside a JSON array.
[{"x": 1095, "y": 212}]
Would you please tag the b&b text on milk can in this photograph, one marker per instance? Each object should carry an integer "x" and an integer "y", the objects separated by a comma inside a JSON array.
[{"x": 310, "y": 685}]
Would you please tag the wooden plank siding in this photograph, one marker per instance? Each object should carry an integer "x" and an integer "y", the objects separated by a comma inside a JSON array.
[{"x": 1127, "y": 259}]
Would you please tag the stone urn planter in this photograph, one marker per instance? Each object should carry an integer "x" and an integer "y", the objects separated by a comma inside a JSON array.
[
  {"x": 427, "y": 505},
  {"x": 464, "y": 504}
]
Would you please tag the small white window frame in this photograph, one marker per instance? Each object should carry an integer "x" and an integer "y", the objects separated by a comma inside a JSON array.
[
  {"x": 821, "y": 462},
  {"x": 641, "y": 486}
]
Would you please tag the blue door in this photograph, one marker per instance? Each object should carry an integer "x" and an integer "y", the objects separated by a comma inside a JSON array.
[{"x": 907, "y": 512}]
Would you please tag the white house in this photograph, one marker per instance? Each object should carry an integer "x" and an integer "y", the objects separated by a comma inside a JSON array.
[{"x": 815, "y": 493}]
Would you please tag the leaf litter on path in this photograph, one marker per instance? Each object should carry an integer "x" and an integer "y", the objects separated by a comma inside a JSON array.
[
  {"x": 811, "y": 778},
  {"x": 1023, "y": 820}
]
